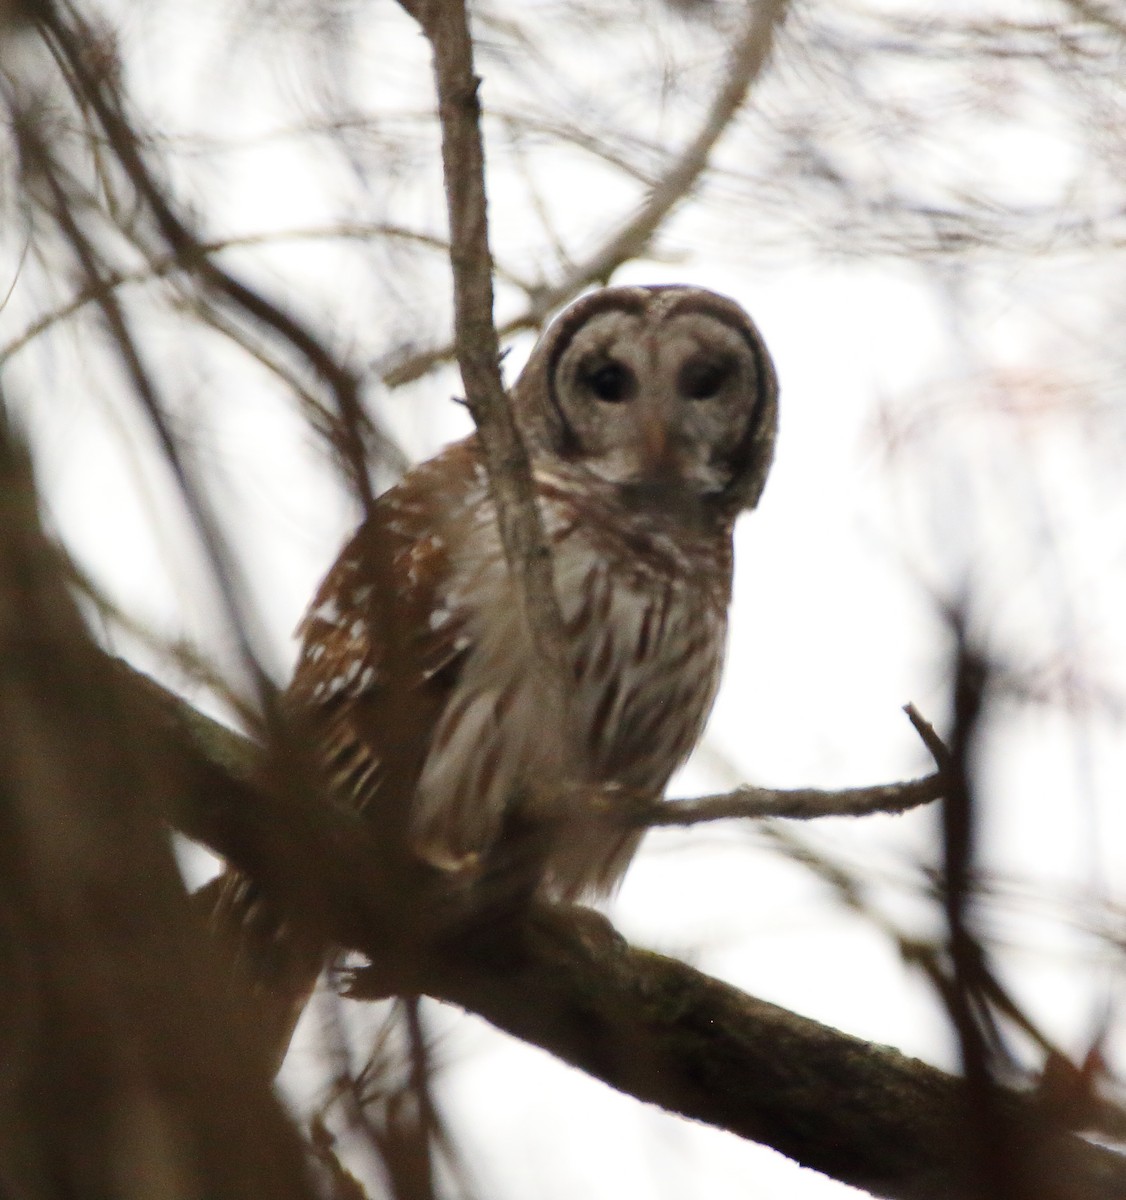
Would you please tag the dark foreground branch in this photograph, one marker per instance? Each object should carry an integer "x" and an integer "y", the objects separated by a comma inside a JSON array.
[
  {"x": 647, "y": 1025},
  {"x": 123, "y": 1067}
]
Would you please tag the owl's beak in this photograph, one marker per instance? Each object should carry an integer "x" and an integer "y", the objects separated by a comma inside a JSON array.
[{"x": 656, "y": 445}]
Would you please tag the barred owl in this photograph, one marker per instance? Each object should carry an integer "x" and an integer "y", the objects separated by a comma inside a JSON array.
[{"x": 649, "y": 414}]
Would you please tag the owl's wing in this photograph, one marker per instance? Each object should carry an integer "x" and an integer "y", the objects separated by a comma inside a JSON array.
[
  {"x": 374, "y": 675},
  {"x": 382, "y": 644}
]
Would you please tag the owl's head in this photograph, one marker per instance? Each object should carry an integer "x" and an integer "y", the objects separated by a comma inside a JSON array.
[{"x": 657, "y": 388}]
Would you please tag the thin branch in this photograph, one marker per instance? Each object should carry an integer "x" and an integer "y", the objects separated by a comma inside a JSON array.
[
  {"x": 446, "y": 25},
  {"x": 203, "y": 520},
  {"x": 749, "y": 57},
  {"x": 929, "y": 736},
  {"x": 324, "y": 423},
  {"x": 561, "y": 129},
  {"x": 633, "y": 237},
  {"x": 927, "y": 956},
  {"x": 160, "y": 267},
  {"x": 796, "y": 804},
  {"x": 96, "y": 91}
]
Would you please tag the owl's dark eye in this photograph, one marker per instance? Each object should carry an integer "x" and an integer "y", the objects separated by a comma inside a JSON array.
[
  {"x": 702, "y": 378},
  {"x": 611, "y": 382}
]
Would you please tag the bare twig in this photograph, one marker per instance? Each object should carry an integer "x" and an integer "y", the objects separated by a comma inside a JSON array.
[
  {"x": 160, "y": 267},
  {"x": 69, "y": 39},
  {"x": 796, "y": 804},
  {"x": 632, "y": 238},
  {"x": 929, "y": 736},
  {"x": 750, "y": 802}
]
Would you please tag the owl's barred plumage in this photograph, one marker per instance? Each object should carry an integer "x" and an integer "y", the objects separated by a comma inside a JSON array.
[
  {"x": 643, "y": 606},
  {"x": 649, "y": 415}
]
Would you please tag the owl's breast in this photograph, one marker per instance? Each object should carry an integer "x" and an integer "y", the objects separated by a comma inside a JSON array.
[
  {"x": 647, "y": 634},
  {"x": 645, "y": 619}
]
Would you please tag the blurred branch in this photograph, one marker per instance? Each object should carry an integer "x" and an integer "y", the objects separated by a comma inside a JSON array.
[
  {"x": 632, "y": 239},
  {"x": 995, "y": 1156},
  {"x": 321, "y": 420},
  {"x": 563, "y": 130},
  {"x": 65, "y": 210},
  {"x": 748, "y": 58},
  {"x": 390, "y": 1102},
  {"x": 97, "y": 90},
  {"x": 124, "y": 1065},
  {"x": 851, "y": 888},
  {"x": 170, "y": 264}
]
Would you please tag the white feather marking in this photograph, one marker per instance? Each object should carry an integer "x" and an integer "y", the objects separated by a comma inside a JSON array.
[
  {"x": 328, "y": 612},
  {"x": 336, "y": 685}
]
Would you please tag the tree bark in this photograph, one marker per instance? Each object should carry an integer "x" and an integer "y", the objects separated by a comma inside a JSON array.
[{"x": 562, "y": 979}]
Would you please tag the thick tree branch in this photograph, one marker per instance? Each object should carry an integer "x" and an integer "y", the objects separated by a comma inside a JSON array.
[
  {"x": 663, "y": 1032},
  {"x": 648, "y": 1025}
]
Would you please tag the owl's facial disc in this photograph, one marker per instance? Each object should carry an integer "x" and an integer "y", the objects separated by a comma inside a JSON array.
[{"x": 661, "y": 403}]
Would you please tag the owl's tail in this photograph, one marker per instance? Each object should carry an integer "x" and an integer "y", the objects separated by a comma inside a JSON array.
[{"x": 273, "y": 965}]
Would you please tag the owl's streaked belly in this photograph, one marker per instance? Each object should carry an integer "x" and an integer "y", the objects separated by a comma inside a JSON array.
[{"x": 646, "y": 647}]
